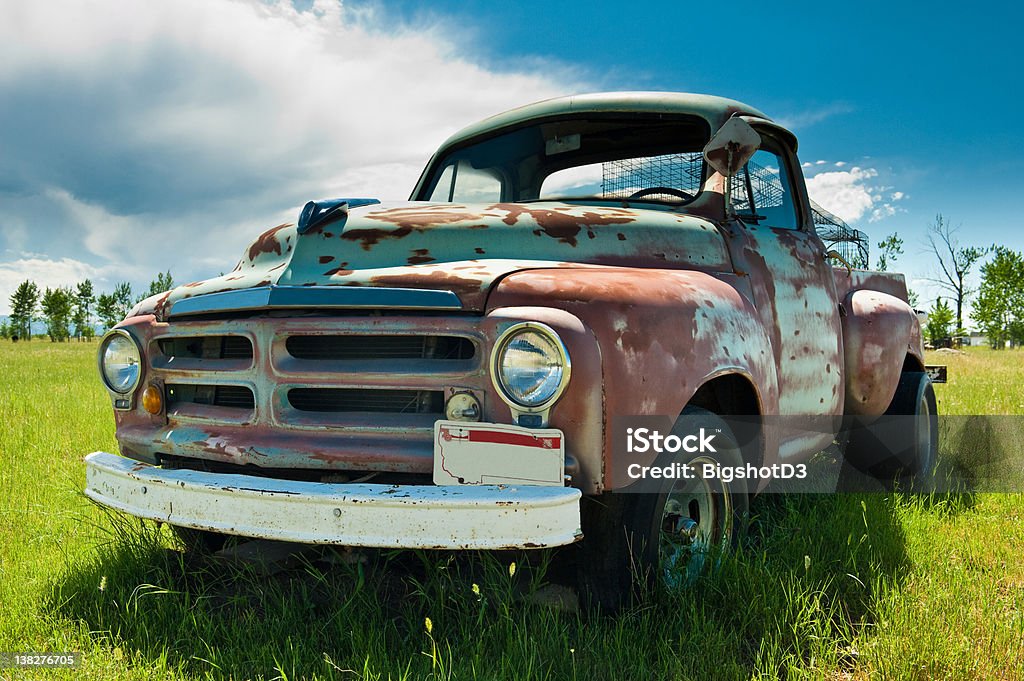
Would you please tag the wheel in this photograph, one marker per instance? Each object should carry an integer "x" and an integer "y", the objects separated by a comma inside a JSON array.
[
  {"x": 199, "y": 542},
  {"x": 667, "y": 534},
  {"x": 672, "y": 191},
  {"x": 902, "y": 445}
]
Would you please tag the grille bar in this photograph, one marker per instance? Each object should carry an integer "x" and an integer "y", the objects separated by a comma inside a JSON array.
[
  {"x": 231, "y": 396},
  {"x": 367, "y": 347},
  {"x": 206, "y": 347},
  {"x": 367, "y": 400}
]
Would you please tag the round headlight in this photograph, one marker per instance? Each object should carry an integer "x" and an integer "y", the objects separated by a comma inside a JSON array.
[
  {"x": 531, "y": 365},
  {"x": 120, "y": 362}
]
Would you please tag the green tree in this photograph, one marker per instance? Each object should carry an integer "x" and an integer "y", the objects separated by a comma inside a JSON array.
[
  {"x": 84, "y": 298},
  {"x": 24, "y": 302},
  {"x": 955, "y": 262},
  {"x": 4, "y": 330},
  {"x": 939, "y": 319},
  {"x": 999, "y": 307},
  {"x": 58, "y": 304},
  {"x": 123, "y": 299},
  {"x": 163, "y": 282},
  {"x": 889, "y": 248},
  {"x": 106, "y": 310},
  {"x": 113, "y": 307}
]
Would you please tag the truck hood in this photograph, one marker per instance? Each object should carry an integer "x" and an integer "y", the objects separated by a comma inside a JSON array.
[{"x": 460, "y": 248}]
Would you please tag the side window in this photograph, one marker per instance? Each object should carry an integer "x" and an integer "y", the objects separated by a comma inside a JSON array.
[
  {"x": 763, "y": 191},
  {"x": 466, "y": 184},
  {"x": 443, "y": 189}
]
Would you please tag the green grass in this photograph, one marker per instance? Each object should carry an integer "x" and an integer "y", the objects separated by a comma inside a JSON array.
[{"x": 836, "y": 587}]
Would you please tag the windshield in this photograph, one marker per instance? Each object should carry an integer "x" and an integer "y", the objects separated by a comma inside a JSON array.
[{"x": 646, "y": 158}]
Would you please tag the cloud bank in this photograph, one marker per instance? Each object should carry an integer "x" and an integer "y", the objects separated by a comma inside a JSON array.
[{"x": 139, "y": 137}]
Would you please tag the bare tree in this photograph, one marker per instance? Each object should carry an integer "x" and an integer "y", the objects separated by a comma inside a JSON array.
[{"x": 954, "y": 261}]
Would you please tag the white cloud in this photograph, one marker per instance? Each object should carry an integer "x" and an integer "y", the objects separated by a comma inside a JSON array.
[
  {"x": 853, "y": 194},
  {"x": 843, "y": 192},
  {"x": 46, "y": 273},
  {"x": 168, "y": 134}
]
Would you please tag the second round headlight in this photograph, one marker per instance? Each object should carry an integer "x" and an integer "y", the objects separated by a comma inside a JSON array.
[
  {"x": 531, "y": 365},
  {"x": 120, "y": 362}
]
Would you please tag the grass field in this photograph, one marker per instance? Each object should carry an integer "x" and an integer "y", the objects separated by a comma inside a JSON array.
[{"x": 825, "y": 587}]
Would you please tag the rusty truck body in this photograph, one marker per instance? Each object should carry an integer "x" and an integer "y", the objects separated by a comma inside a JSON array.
[{"x": 558, "y": 266}]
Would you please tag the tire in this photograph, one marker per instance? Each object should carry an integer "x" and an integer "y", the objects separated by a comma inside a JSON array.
[
  {"x": 901, "y": 447},
  {"x": 667, "y": 535}
]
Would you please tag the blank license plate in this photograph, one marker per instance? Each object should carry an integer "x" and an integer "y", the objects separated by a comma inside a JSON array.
[{"x": 492, "y": 454}]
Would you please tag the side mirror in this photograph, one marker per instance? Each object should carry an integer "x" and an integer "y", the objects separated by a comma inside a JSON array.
[
  {"x": 729, "y": 150},
  {"x": 732, "y": 146}
]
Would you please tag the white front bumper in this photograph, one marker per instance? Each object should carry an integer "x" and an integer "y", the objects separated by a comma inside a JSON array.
[{"x": 387, "y": 516}]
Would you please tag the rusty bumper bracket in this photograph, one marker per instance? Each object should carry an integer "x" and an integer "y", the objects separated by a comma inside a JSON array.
[{"x": 386, "y": 516}]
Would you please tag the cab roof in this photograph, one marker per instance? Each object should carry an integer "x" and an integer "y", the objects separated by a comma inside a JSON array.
[{"x": 715, "y": 110}]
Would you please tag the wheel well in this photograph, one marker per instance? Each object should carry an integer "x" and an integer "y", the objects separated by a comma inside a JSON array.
[
  {"x": 911, "y": 364},
  {"x": 734, "y": 395}
]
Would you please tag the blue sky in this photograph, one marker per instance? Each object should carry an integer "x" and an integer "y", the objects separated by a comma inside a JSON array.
[{"x": 140, "y": 137}]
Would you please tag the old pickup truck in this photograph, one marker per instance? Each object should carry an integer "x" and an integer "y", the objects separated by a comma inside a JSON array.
[{"x": 461, "y": 370}]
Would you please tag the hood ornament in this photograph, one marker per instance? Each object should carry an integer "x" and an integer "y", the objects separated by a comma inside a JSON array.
[{"x": 317, "y": 213}]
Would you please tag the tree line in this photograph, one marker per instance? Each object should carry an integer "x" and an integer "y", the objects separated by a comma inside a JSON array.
[
  {"x": 71, "y": 311},
  {"x": 998, "y": 310}
]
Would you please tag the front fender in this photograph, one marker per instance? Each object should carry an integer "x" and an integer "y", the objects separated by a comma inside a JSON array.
[
  {"x": 879, "y": 331},
  {"x": 661, "y": 333}
]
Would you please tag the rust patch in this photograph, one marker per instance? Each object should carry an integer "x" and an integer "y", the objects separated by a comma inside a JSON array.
[
  {"x": 324, "y": 259},
  {"x": 420, "y": 256},
  {"x": 407, "y": 220},
  {"x": 438, "y": 277},
  {"x": 339, "y": 271},
  {"x": 161, "y": 305},
  {"x": 559, "y": 224},
  {"x": 371, "y": 237},
  {"x": 267, "y": 243},
  {"x": 479, "y": 250},
  {"x": 418, "y": 217}
]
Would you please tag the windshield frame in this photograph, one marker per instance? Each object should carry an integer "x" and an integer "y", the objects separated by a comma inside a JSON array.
[{"x": 687, "y": 133}]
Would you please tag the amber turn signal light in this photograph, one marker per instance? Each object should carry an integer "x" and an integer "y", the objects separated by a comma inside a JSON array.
[{"x": 152, "y": 400}]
